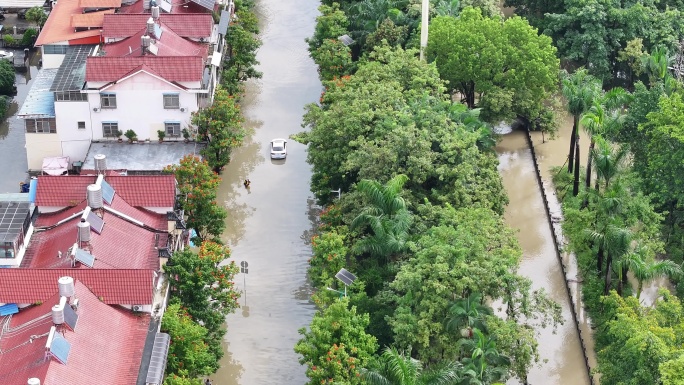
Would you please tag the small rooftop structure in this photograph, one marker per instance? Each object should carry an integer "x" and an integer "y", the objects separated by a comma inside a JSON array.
[
  {"x": 98, "y": 343},
  {"x": 59, "y": 26},
  {"x": 15, "y": 219},
  {"x": 40, "y": 101},
  {"x": 140, "y": 158}
]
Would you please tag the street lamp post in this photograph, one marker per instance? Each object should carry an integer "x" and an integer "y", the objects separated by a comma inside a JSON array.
[{"x": 425, "y": 13}]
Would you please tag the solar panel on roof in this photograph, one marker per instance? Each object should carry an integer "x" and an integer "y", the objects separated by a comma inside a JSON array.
[
  {"x": 154, "y": 50},
  {"x": 107, "y": 192},
  {"x": 158, "y": 31},
  {"x": 166, "y": 7},
  {"x": 223, "y": 23},
  {"x": 84, "y": 257},
  {"x": 10, "y": 308},
  {"x": 96, "y": 223},
  {"x": 160, "y": 350},
  {"x": 71, "y": 73},
  {"x": 60, "y": 348},
  {"x": 208, "y": 4},
  {"x": 70, "y": 317}
]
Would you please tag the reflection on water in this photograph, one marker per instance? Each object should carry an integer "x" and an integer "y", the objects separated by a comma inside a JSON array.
[
  {"x": 269, "y": 225},
  {"x": 12, "y": 140},
  {"x": 561, "y": 351}
]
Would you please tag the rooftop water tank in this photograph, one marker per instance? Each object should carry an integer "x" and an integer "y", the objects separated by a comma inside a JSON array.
[
  {"x": 83, "y": 231},
  {"x": 66, "y": 285},
  {"x": 94, "y": 196},
  {"x": 100, "y": 163}
]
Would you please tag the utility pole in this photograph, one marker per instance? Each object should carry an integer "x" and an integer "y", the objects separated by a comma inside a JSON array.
[
  {"x": 678, "y": 67},
  {"x": 425, "y": 13}
]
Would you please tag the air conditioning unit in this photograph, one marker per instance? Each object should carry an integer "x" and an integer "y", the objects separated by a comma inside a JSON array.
[
  {"x": 95, "y": 109},
  {"x": 137, "y": 307},
  {"x": 183, "y": 109}
]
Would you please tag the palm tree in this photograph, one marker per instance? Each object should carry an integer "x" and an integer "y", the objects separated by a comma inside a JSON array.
[
  {"x": 365, "y": 16},
  {"x": 386, "y": 216},
  {"x": 614, "y": 242},
  {"x": 395, "y": 368},
  {"x": 448, "y": 8},
  {"x": 604, "y": 117},
  {"x": 579, "y": 90},
  {"x": 608, "y": 160},
  {"x": 484, "y": 363},
  {"x": 647, "y": 271},
  {"x": 656, "y": 64},
  {"x": 467, "y": 314}
]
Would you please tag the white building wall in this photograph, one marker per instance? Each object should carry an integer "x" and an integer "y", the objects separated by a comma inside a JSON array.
[
  {"x": 140, "y": 107},
  {"x": 39, "y": 146},
  {"x": 75, "y": 141}
]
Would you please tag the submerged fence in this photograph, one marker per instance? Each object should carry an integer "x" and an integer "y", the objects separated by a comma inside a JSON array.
[{"x": 559, "y": 253}]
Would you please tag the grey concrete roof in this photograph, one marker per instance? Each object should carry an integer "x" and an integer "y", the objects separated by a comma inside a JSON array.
[{"x": 153, "y": 156}]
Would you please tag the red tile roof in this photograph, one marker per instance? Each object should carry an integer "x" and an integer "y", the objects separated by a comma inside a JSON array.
[
  {"x": 139, "y": 191},
  {"x": 179, "y": 7},
  {"x": 122, "y": 25},
  {"x": 170, "y": 44},
  {"x": 100, "y": 3},
  {"x": 61, "y": 191},
  {"x": 58, "y": 26},
  {"x": 173, "y": 69},
  {"x": 115, "y": 286},
  {"x": 145, "y": 191},
  {"x": 92, "y": 19},
  {"x": 106, "y": 345},
  {"x": 121, "y": 245}
]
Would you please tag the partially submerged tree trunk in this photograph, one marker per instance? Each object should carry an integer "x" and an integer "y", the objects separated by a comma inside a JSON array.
[
  {"x": 575, "y": 184},
  {"x": 573, "y": 138}
]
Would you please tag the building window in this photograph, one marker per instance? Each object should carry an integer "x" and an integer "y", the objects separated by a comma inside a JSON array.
[
  {"x": 41, "y": 126},
  {"x": 171, "y": 101},
  {"x": 110, "y": 129},
  {"x": 172, "y": 128},
  {"x": 81, "y": 125},
  {"x": 7, "y": 250},
  {"x": 55, "y": 49},
  {"x": 108, "y": 100},
  {"x": 70, "y": 96}
]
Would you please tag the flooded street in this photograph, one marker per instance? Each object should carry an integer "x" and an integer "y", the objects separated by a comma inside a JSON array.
[
  {"x": 12, "y": 140},
  {"x": 270, "y": 225},
  {"x": 562, "y": 351}
]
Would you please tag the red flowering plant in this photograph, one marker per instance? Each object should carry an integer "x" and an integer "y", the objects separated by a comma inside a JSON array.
[
  {"x": 198, "y": 186},
  {"x": 329, "y": 255}
]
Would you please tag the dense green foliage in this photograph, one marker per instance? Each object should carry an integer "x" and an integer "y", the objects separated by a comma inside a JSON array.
[
  {"x": 242, "y": 43},
  {"x": 189, "y": 353},
  {"x": 419, "y": 221},
  {"x": 198, "y": 186},
  {"x": 7, "y": 78},
  {"x": 220, "y": 125},
  {"x": 504, "y": 67}
]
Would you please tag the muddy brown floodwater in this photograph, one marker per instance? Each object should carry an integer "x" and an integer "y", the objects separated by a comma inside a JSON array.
[
  {"x": 561, "y": 352},
  {"x": 269, "y": 226}
]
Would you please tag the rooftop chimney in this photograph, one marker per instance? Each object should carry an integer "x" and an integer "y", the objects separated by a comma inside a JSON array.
[
  {"x": 83, "y": 231},
  {"x": 150, "y": 26},
  {"x": 94, "y": 196},
  {"x": 100, "y": 163}
]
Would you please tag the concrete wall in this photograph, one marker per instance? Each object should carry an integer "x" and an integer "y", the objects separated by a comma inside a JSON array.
[
  {"x": 39, "y": 146},
  {"x": 75, "y": 141}
]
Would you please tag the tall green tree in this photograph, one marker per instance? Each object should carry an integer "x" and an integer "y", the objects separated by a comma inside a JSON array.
[
  {"x": 386, "y": 216},
  {"x": 198, "y": 184},
  {"x": 468, "y": 313},
  {"x": 330, "y": 24},
  {"x": 505, "y": 65},
  {"x": 605, "y": 117},
  {"x": 242, "y": 42},
  {"x": 395, "y": 368},
  {"x": 189, "y": 353},
  {"x": 336, "y": 347},
  {"x": 221, "y": 126},
  {"x": 203, "y": 286},
  {"x": 579, "y": 90}
]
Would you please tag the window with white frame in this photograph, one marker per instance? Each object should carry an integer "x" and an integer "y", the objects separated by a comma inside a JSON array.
[
  {"x": 107, "y": 100},
  {"x": 172, "y": 128},
  {"x": 172, "y": 101},
  {"x": 110, "y": 129},
  {"x": 41, "y": 126}
]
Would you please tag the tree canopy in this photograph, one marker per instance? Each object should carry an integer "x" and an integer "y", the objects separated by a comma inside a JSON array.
[{"x": 505, "y": 67}]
